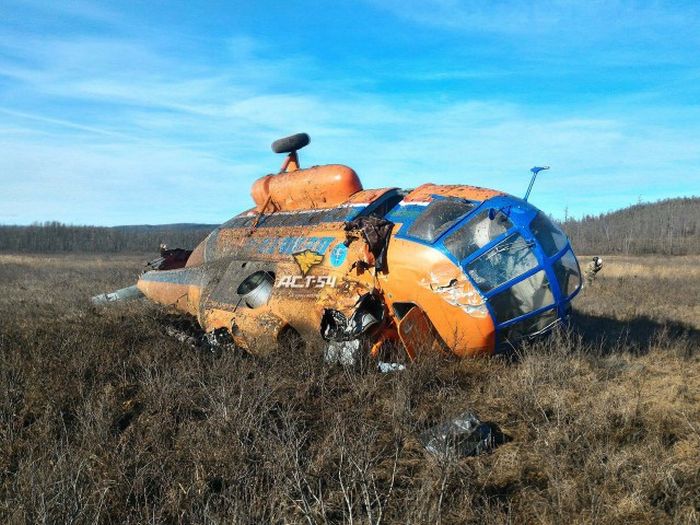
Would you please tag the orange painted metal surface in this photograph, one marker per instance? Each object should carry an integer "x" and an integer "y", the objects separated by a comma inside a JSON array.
[
  {"x": 428, "y": 279},
  {"x": 169, "y": 294},
  {"x": 367, "y": 196},
  {"x": 311, "y": 188},
  {"x": 425, "y": 192}
]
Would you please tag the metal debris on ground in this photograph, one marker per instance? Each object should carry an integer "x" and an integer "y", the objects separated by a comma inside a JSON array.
[
  {"x": 181, "y": 336},
  {"x": 386, "y": 368},
  {"x": 123, "y": 294},
  {"x": 214, "y": 341},
  {"x": 217, "y": 340},
  {"x": 462, "y": 436},
  {"x": 343, "y": 353}
]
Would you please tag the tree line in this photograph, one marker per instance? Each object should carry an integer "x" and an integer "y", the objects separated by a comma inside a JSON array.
[
  {"x": 670, "y": 227},
  {"x": 55, "y": 237}
]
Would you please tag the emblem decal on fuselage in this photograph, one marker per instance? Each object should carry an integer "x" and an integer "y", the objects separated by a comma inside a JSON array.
[
  {"x": 338, "y": 254},
  {"x": 307, "y": 260}
]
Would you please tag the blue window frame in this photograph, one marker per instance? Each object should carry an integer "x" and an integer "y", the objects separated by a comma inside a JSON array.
[
  {"x": 478, "y": 232},
  {"x": 504, "y": 262},
  {"x": 486, "y": 243}
]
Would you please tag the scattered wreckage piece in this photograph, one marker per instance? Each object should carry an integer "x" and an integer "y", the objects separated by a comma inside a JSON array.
[
  {"x": 320, "y": 260},
  {"x": 183, "y": 337},
  {"x": 464, "y": 435},
  {"x": 123, "y": 294},
  {"x": 215, "y": 341}
]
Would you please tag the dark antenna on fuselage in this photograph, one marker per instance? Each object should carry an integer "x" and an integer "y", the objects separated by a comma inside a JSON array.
[
  {"x": 290, "y": 145},
  {"x": 534, "y": 171}
]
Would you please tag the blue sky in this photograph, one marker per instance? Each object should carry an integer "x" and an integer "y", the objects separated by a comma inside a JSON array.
[{"x": 163, "y": 111}]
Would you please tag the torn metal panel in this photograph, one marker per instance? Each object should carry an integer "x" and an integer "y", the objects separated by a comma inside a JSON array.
[
  {"x": 169, "y": 259},
  {"x": 336, "y": 326},
  {"x": 417, "y": 333},
  {"x": 375, "y": 231}
]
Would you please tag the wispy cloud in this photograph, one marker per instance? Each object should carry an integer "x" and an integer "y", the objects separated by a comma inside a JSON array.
[
  {"x": 117, "y": 127},
  {"x": 617, "y": 33}
]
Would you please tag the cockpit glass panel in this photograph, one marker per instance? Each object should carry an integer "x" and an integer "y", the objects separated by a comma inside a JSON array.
[
  {"x": 551, "y": 238},
  {"x": 507, "y": 260},
  {"x": 568, "y": 274},
  {"x": 477, "y": 233},
  {"x": 530, "y": 326},
  {"x": 438, "y": 217},
  {"x": 524, "y": 297}
]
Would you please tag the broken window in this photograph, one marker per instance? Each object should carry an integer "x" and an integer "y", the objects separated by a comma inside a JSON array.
[
  {"x": 568, "y": 274},
  {"x": 505, "y": 261},
  {"x": 477, "y": 233},
  {"x": 438, "y": 217},
  {"x": 522, "y": 298},
  {"x": 531, "y": 326},
  {"x": 551, "y": 238}
]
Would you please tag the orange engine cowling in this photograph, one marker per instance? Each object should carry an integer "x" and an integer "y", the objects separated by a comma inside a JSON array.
[{"x": 317, "y": 187}]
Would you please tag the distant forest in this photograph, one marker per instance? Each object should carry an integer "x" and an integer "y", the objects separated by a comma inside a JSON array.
[
  {"x": 55, "y": 237},
  {"x": 670, "y": 227}
]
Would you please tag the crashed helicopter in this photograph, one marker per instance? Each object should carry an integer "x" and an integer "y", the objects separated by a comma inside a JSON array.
[{"x": 453, "y": 268}]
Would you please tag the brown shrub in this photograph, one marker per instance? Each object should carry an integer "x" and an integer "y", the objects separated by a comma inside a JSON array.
[{"x": 103, "y": 418}]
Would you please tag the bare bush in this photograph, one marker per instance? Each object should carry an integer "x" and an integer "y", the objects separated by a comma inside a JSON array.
[{"x": 104, "y": 418}]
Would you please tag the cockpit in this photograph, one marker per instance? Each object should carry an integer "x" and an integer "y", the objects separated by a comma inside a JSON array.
[{"x": 518, "y": 259}]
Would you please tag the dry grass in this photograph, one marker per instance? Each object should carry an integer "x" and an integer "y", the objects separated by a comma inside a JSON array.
[{"x": 105, "y": 419}]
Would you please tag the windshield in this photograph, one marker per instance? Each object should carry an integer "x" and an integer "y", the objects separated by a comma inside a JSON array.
[
  {"x": 551, "y": 238},
  {"x": 438, "y": 217},
  {"x": 477, "y": 233},
  {"x": 530, "y": 326},
  {"x": 524, "y": 297},
  {"x": 505, "y": 261},
  {"x": 567, "y": 272}
]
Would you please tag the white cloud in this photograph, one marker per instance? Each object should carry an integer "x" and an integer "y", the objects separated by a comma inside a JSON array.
[{"x": 120, "y": 130}]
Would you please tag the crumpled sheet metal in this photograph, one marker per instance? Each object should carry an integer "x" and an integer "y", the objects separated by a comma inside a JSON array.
[
  {"x": 344, "y": 353},
  {"x": 375, "y": 231},
  {"x": 460, "y": 293},
  {"x": 169, "y": 259},
  {"x": 336, "y": 326},
  {"x": 464, "y": 435}
]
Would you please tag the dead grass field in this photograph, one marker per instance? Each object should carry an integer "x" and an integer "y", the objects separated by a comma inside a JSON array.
[{"x": 105, "y": 419}]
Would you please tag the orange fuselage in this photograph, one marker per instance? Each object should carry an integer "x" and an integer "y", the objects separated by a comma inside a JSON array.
[{"x": 303, "y": 245}]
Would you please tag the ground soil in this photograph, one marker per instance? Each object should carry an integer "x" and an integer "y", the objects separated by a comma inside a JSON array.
[{"x": 105, "y": 418}]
